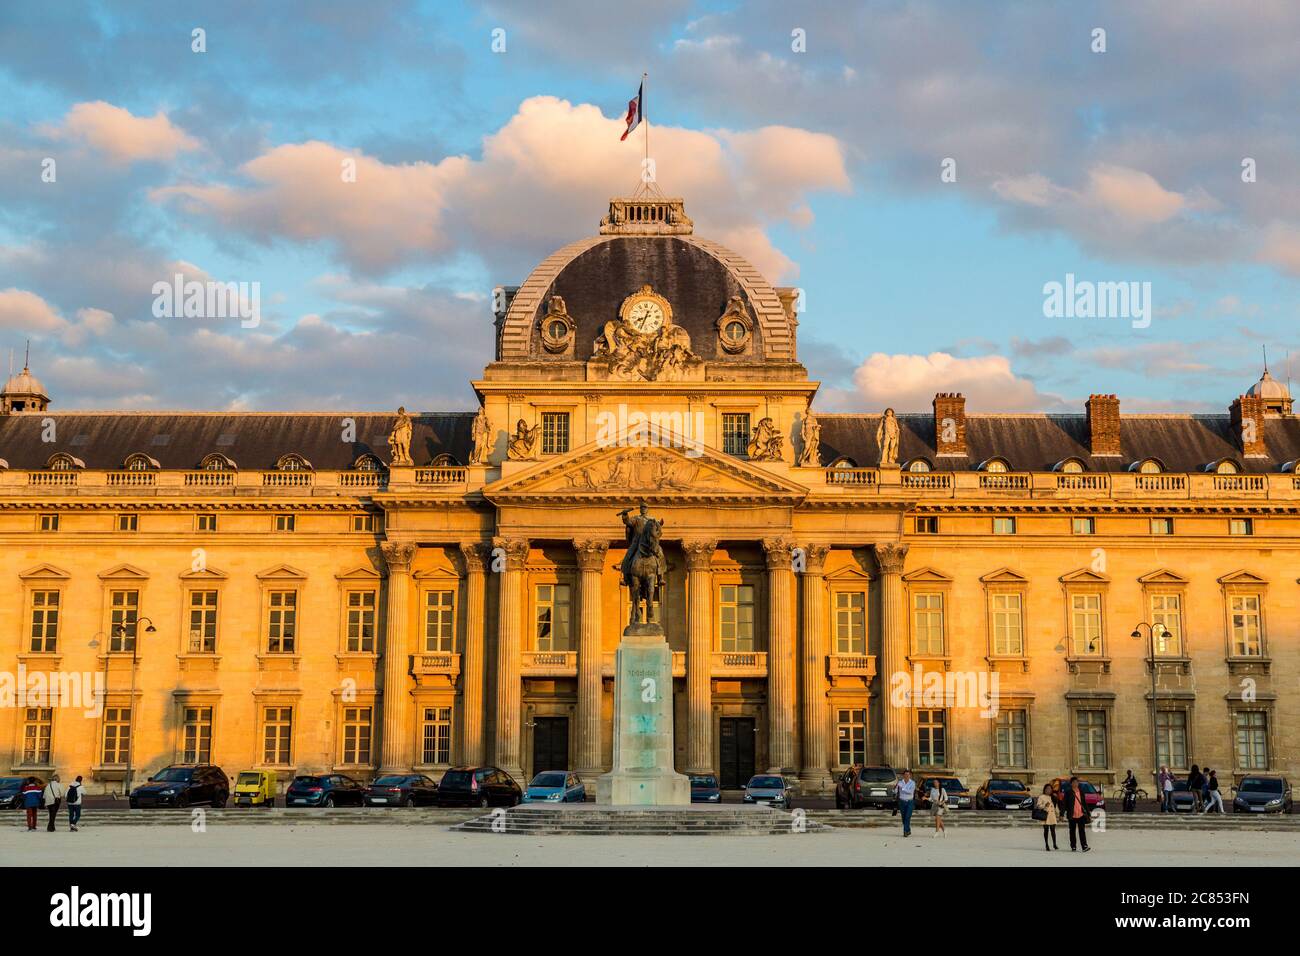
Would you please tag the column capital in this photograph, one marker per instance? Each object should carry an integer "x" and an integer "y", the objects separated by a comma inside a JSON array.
[
  {"x": 515, "y": 551},
  {"x": 814, "y": 558},
  {"x": 890, "y": 557},
  {"x": 591, "y": 553},
  {"x": 398, "y": 555},
  {"x": 778, "y": 551},
  {"x": 476, "y": 555},
  {"x": 699, "y": 553}
]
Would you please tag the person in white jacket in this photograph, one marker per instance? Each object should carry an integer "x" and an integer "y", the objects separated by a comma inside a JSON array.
[{"x": 53, "y": 796}]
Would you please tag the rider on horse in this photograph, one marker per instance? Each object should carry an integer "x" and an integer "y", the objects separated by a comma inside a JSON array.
[{"x": 643, "y": 567}]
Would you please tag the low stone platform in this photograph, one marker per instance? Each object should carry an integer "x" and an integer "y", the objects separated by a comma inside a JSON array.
[{"x": 590, "y": 820}]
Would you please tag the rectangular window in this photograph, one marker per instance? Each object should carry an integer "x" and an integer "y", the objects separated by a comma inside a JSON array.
[
  {"x": 552, "y": 622},
  {"x": 436, "y": 735},
  {"x": 1004, "y": 525},
  {"x": 735, "y": 433},
  {"x": 128, "y": 522},
  {"x": 1085, "y": 620},
  {"x": 1091, "y": 726},
  {"x": 117, "y": 735},
  {"x": 356, "y": 736},
  {"x": 38, "y": 729},
  {"x": 1085, "y": 525},
  {"x": 363, "y": 523},
  {"x": 277, "y": 736},
  {"x": 281, "y": 621},
  {"x": 927, "y": 622},
  {"x": 197, "y": 735},
  {"x": 931, "y": 740},
  {"x": 205, "y": 522},
  {"x": 1162, "y": 526},
  {"x": 555, "y": 433},
  {"x": 440, "y": 620},
  {"x": 736, "y": 617},
  {"x": 1008, "y": 629},
  {"x": 926, "y": 524},
  {"x": 361, "y": 622},
  {"x": 1012, "y": 738},
  {"x": 285, "y": 523},
  {"x": 1252, "y": 739},
  {"x": 850, "y": 622},
  {"x": 124, "y": 608},
  {"x": 851, "y": 733},
  {"x": 1171, "y": 738},
  {"x": 203, "y": 622},
  {"x": 1245, "y": 625},
  {"x": 49, "y": 523},
  {"x": 1241, "y": 526},
  {"x": 45, "y": 621},
  {"x": 1167, "y": 625}
]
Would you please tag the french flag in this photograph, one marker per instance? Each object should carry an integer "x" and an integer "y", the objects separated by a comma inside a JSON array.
[{"x": 633, "y": 112}]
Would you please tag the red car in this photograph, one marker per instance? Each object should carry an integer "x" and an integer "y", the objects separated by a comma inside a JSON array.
[{"x": 1092, "y": 794}]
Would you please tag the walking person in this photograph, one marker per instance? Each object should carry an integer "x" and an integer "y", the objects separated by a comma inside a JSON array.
[
  {"x": 31, "y": 801},
  {"x": 53, "y": 796},
  {"x": 1130, "y": 786},
  {"x": 1216, "y": 798},
  {"x": 1195, "y": 780},
  {"x": 1166, "y": 791},
  {"x": 1076, "y": 813},
  {"x": 74, "y": 804},
  {"x": 906, "y": 793},
  {"x": 938, "y": 798},
  {"x": 1045, "y": 813}
]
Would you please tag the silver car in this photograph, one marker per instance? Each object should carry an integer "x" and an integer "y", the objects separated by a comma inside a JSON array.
[{"x": 770, "y": 790}]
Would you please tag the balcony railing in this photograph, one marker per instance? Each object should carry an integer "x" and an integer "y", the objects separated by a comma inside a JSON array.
[
  {"x": 362, "y": 479},
  {"x": 1248, "y": 484},
  {"x": 927, "y": 480},
  {"x": 132, "y": 479},
  {"x": 851, "y": 476},
  {"x": 209, "y": 479},
  {"x": 549, "y": 664},
  {"x": 288, "y": 479},
  {"x": 441, "y": 476},
  {"x": 1161, "y": 484},
  {"x": 1004, "y": 481},
  {"x": 739, "y": 664},
  {"x": 1083, "y": 482},
  {"x": 52, "y": 479},
  {"x": 435, "y": 662},
  {"x": 851, "y": 665}
]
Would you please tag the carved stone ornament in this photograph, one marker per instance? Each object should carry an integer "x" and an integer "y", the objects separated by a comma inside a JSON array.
[
  {"x": 513, "y": 550},
  {"x": 399, "y": 439},
  {"x": 476, "y": 555},
  {"x": 643, "y": 345},
  {"x": 699, "y": 553},
  {"x": 767, "y": 444},
  {"x": 810, "y": 442},
  {"x": 735, "y": 327},
  {"x": 481, "y": 432},
  {"x": 557, "y": 326},
  {"x": 891, "y": 557},
  {"x": 887, "y": 439},
  {"x": 640, "y": 471},
  {"x": 590, "y": 553},
  {"x": 814, "y": 558},
  {"x": 398, "y": 555},
  {"x": 779, "y": 553},
  {"x": 524, "y": 442}
]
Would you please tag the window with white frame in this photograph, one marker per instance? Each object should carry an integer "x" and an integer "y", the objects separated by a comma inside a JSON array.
[
  {"x": 196, "y": 734},
  {"x": 851, "y": 734},
  {"x": 117, "y": 735},
  {"x": 1012, "y": 732},
  {"x": 1246, "y": 625},
  {"x": 1252, "y": 739},
  {"x": 361, "y": 621},
  {"x": 736, "y": 617},
  {"x": 552, "y": 610},
  {"x": 356, "y": 735},
  {"x": 1085, "y": 624},
  {"x": 203, "y": 622},
  {"x": 555, "y": 433},
  {"x": 436, "y": 735},
  {"x": 735, "y": 433},
  {"x": 277, "y": 736},
  {"x": 927, "y": 622},
  {"x": 1007, "y": 610},
  {"x": 850, "y": 622},
  {"x": 124, "y": 609},
  {"x": 1090, "y": 727},
  {"x": 281, "y": 621},
  {"x": 931, "y": 737},
  {"x": 439, "y": 620},
  {"x": 45, "y": 622},
  {"x": 1171, "y": 738},
  {"x": 1167, "y": 625},
  {"x": 38, "y": 732}
]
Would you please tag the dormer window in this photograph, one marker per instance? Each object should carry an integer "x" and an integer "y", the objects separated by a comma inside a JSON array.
[
  {"x": 1070, "y": 466},
  {"x": 367, "y": 462},
  {"x": 1148, "y": 466},
  {"x": 1225, "y": 467},
  {"x": 62, "y": 461},
  {"x": 140, "y": 462},
  {"x": 293, "y": 462},
  {"x": 995, "y": 466},
  {"x": 216, "y": 462},
  {"x": 918, "y": 465}
]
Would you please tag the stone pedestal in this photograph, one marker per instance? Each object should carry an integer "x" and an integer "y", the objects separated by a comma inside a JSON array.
[{"x": 643, "y": 772}]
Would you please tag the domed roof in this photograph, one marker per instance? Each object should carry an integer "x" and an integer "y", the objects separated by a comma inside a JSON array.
[
  {"x": 1269, "y": 387},
  {"x": 24, "y": 383}
]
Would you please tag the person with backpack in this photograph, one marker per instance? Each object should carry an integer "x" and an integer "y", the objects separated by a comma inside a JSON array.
[
  {"x": 938, "y": 798},
  {"x": 31, "y": 801},
  {"x": 74, "y": 804},
  {"x": 52, "y": 798}
]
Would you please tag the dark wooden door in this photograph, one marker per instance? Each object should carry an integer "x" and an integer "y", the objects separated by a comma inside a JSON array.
[
  {"x": 736, "y": 752},
  {"x": 550, "y": 744}
]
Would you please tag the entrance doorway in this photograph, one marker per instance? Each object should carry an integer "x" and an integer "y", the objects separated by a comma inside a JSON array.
[
  {"x": 736, "y": 752},
  {"x": 550, "y": 744}
]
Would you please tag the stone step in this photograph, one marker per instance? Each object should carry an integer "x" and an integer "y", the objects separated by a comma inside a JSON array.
[{"x": 585, "y": 819}]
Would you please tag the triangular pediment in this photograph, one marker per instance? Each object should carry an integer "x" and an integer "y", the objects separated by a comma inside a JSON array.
[
  {"x": 1084, "y": 576},
  {"x": 1004, "y": 576},
  {"x": 847, "y": 574},
  {"x": 926, "y": 576},
  {"x": 652, "y": 468},
  {"x": 1242, "y": 577},
  {"x": 204, "y": 574},
  {"x": 1163, "y": 576},
  {"x": 125, "y": 571},
  {"x": 45, "y": 572},
  {"x": 281, "y": 571},
  {"x": 360, "y": 573}
]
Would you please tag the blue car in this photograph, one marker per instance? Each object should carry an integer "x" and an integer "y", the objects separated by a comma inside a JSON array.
[{"x": 555, "y": 786}]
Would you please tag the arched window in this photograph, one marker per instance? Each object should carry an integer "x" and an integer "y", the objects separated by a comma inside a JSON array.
[
  {"x": 367, "y": 462},
  {"x": 445, "y": 461},
  {"x": 61, "y": 461},
  {"x": 843, "y": 463},
  {"x": 918, "y": 465},
  {"x": 996, "y": 466},
  {"x": 216, "y": 462},
  {"x": 1071, "y": 466},
  {"x": 139, "y": 461},
  {"x": 292, "y": 462},
  {"x": 1150, "y": 467},
  {"x": 1226, "y": 467}
]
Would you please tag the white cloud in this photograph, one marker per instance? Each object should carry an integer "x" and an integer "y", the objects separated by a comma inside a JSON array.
[
  {"x": 120, "y": 136},
  {"x": 910, "y": 382}
]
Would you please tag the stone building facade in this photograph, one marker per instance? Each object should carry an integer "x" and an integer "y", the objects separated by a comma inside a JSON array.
[{"x": 945, "y": 590}]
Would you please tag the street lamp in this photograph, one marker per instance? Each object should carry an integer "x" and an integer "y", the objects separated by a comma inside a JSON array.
[
  {"x": 1152, "y": 631},
  {"x": 120, "y": 631}
]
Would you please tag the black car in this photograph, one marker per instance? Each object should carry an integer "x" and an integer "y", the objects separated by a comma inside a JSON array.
[
  {"x": 478, "y": 787},
  {"x": 1181, "y": 798},
  {"x": 11, "y": 791},
  {"x": 866, "y": 787},
  {"x": 704, "y": 788},
  {"x": 959, "y": 797},
  {"x": 183, "y": 786},
  {"x": 324, "y": 790},
  {"x": 402, "y": 790},
  {"x": 1262, "y": 795}
]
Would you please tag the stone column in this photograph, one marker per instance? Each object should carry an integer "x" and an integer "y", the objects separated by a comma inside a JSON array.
[
  {"x": 893, "y": 649},
  {"x": 780, "y": 654},
  {"x": 510, "y": 610},
  {"x": 591, "y": 564},
  {"x": 699, "y": 655},
  {"x": 814, "y": 772},
  {"x": 398, "y": 733},
  {"x": 473, "y": 666}
]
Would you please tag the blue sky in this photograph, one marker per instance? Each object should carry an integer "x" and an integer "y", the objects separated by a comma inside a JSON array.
[{"x": 821, "y": 165}]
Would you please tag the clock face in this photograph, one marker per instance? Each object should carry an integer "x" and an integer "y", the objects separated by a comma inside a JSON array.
[{"x": 646, "y": 317}]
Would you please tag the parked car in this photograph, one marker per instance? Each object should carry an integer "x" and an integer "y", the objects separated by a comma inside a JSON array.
[
  {"x": 1262, "y": 795},
  {"x": 861, "y": 786},
  {"x": 11, "y": 791},
  {"x": 704, "y": 788},
  {"x": 555, "y": 786},
  {"x": 958, "y": 795},
  {"x": 1092, "y": 794},
  {"x": 324, "y": 790},
  {"x": 1182, "y": 798},
  {"x": 1001, "y": 793},
  {"x": 255, "y": 788},
  {"x": 402, "y": 790},
  {"x": 183, "y": 786},
  {"x": 771, "y": 790},
  {"x": 478, "y": 787}
]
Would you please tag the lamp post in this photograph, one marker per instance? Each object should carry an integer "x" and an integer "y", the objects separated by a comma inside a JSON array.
[
  {"x": 122, "y": 631},
  {"x": 1152, "y": 631}
]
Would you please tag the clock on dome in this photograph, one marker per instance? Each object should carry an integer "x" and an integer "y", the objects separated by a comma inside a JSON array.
[{"x": 646, "y": 311}]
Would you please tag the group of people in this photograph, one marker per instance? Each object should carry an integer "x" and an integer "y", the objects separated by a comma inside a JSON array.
[
  {"x": 1069, "y": 803},
  {"x": 51, "y": 798},
  {"x": 1203, "y": 786}
]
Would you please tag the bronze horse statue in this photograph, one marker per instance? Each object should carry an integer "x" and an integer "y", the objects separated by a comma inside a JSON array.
[{"x": 644, "y": 568}]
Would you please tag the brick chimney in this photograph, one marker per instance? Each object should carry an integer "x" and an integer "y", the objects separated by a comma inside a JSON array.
[
  {"x": 1247, "y": 413},
  {"x": 950, "y": 424},
  {"x": 1103, "y": 425}
]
